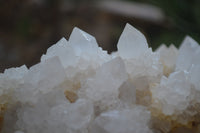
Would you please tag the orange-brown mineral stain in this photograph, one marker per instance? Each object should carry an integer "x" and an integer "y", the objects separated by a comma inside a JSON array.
[
  {"x": 169, "y": 124},
  {"x": 71, "y": 96}
]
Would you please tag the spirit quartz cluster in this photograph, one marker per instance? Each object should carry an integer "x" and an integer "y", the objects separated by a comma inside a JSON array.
[{"x": 79, "y": 88}]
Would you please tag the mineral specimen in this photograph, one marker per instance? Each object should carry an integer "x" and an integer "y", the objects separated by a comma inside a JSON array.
[{"x": 79, "y": 88}]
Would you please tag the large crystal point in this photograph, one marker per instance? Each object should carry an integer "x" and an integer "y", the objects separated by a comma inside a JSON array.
[
  {"x": 82, "y": 42},
  {"x": 132, "y": 43},
  {"x": 189, "y": 54}
]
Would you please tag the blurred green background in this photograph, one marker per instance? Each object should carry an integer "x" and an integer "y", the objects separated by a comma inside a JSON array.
[{"x": 29, "y": 27}]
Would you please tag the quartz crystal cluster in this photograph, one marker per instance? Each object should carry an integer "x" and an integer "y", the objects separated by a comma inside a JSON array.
[{"x": 79, "y": 88}]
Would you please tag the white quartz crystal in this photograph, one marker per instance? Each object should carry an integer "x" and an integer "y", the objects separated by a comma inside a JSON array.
[
  {"x": 189, "y": 53},
  {"x": 58, "y": 117},
  {"x": 103, "y": 87},
  {"x": 132, "y": 43},
  {"x": 195, "y": 76},
  {"x": 41, "y": 78},
  {"x": 188, "y": 60},
  {"x": 127, "y": 93},
  {"x": 84, "y": 44},
  {"x": 79, "y": 88},
  {"x": 122, "y": 121},
  {"x": 168, "y": 58},
  {"x": 172, "y": 92},
  {"x": 62, "y": 50}
]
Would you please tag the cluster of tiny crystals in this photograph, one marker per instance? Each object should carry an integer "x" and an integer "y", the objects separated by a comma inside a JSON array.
[{"x": 79, "y": 88}]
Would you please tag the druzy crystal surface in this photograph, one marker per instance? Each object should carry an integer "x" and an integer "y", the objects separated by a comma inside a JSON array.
[{"x": 79, "y": 88}]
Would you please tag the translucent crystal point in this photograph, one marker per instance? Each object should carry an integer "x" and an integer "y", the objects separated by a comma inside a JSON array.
[
  {"x": 189, "y": 54},
  {"x": 132, "y": 43},
  {"x": 83, "y": 42}
]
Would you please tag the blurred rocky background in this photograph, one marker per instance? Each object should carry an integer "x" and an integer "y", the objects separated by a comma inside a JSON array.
[{"x": 29, "y": 27}]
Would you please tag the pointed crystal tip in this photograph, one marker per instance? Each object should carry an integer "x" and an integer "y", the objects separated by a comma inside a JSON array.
[{"x": 131, "y": 42}]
